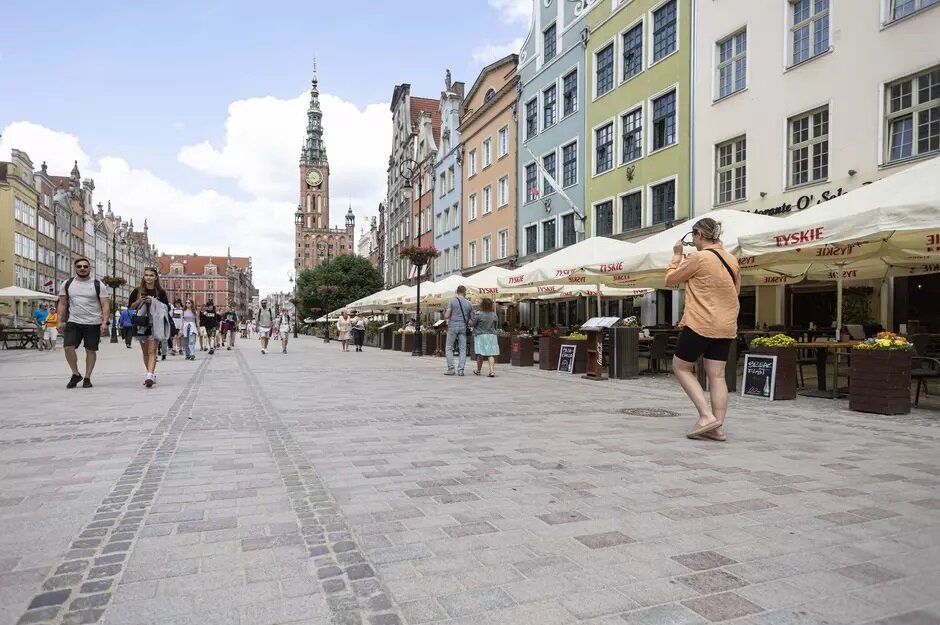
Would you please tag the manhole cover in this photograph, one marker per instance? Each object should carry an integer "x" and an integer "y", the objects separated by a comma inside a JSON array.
[{"x": 649, "y": 412}]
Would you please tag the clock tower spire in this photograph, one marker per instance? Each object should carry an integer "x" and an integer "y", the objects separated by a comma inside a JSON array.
[{"x": 314, "y": 152}]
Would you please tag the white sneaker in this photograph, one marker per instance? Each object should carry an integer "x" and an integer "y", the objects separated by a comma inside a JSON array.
[{"x": 263, "y": 351}]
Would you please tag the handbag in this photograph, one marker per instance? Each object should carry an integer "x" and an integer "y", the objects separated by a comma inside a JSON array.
[{"x": 141, "y": 321}]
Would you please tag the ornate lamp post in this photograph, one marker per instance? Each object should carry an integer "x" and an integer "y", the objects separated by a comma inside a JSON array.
[
  {"x": 114, "y": 282},
  {"x": 409, "y": 168},
  {"x": 291, "y": 275}
]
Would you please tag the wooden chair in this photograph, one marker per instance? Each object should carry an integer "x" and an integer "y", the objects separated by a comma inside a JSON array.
[
  {"x": 923, "y": 368},
  {"x": 658, "y": 350}
]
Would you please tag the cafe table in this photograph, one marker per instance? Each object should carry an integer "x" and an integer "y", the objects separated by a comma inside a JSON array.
[
  {"x": 19, "y": 338},
  {"x": 822, "y": 349}
]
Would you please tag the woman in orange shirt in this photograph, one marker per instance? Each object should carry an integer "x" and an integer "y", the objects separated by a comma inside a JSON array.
[{"x": 709, "y": 324}]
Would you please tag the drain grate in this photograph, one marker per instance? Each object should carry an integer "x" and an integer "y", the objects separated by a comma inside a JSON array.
[{"x": 649, "y": 412}]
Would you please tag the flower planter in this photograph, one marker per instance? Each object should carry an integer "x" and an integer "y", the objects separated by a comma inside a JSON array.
[
  {"x": 387, "y": 338},
  {"x": 624, "y": 353},
  {"x": 521, "y": 351},
  {"x": 505, "y": 349},
  {"x": 429, "y": 343},
  {"x": 880, "y": 381},
  {"x": 408, "y": 342},
  {"x": 549, "y": 347},
  {"x": 785, "y": 387},
  {"x": 580, "y": 355}
]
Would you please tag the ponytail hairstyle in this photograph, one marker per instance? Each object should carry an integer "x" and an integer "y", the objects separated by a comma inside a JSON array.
[{"x": 709, "y": 229}]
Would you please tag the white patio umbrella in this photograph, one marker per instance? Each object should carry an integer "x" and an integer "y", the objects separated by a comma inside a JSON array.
[
  {"x": 19, "y": 294},
  {"x": 886, "y": 229}
]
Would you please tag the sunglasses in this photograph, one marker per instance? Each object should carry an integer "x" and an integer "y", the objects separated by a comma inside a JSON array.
[
  {"x": 689, "y": 243},
  {"x": 83, "y": 266}
]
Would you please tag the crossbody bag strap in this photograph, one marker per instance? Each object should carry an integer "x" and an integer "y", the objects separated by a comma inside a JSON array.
[
  {"x": 462, "y": 313},
  {"x": 723, "y": 262}
]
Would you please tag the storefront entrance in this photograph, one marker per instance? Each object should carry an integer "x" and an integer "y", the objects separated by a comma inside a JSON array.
[{"x": 917, "y": 303}]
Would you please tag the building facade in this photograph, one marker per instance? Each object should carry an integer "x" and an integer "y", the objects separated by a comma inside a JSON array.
[
  {"x": 551, "y": 130},
  {"x": 428, "y": 125},
  {"x": 489, "y": 169},
  {"x": 226, "y": 280},
  {"x": 862, "y": 101},
  {"x": 448, "y": 174},
  {"x": 315, "y": 242},
  {"x": 639, "y": 115},
  {"x": 18, "y": 223}
]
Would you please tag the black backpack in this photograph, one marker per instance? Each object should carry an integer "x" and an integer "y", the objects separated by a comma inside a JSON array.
[{"x": 68, "y": 283}]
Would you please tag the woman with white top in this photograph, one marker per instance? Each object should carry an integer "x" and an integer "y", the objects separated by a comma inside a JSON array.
[
  {"x": 284, "y": 328},
  {"x": 190, "y": 330}
]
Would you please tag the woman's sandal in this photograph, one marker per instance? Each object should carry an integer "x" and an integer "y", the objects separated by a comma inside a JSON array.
[
  {"x": 715, "y": 437},
  {"x": 699, "y": 430},
  {"x": 476, "y": 372},
  {"x": 492, "y": 375}
]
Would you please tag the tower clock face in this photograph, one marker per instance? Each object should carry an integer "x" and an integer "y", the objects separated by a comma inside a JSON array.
[{"x": 314, "y": 178}]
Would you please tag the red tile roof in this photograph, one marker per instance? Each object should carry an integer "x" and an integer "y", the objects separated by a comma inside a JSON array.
[
  {"x": 432, "y": 107},
  {"x": 196, "y": 265}
]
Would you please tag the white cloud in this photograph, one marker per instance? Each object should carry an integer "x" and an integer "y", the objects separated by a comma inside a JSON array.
[
  {"x": 260, "y": 154},
  {"x": 513, "y": 10},
  {"x": 489, "y": 53}
]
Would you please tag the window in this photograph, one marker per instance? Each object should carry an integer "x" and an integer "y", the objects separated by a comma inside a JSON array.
[
  {"x": 503, "y": 241},
  {"x": 569, "y": 95},
  {"x": 531, "y": 118},
  {"x": 487, "y": 153},
  {"x": 487, "y": 200},
  {"x": 548, "y": 107},
  {"x": 633, "y": 51},
  {"x": 443, "y": 185},
  {"x": 732, "y": 64},
  {"x": 809, "y": 147},
  {"x": 457, "y": 258},
  {"x": 632, "y": 128},
  {"x": 503, "y": 141},
  {"x": 548, "y": 235},
  {"x": 569, "y": 164},
  {"x": 487, "y": 252},
  {"x": 664, "y": 202},
  {"x": 810, "y": 29},
  {"x": 450, "y": 178},
  {"x": 604, "y": 62},
  {"x": 548, "y": 162},
  {"x": 504, "y": 191},
  {"x": 664, "y": 120},
  {"x": 446, "y": 261},
  {"x": 473, "y": 208},
  {"x": 454, "y": 216},
  {"x": 569, "y": 236},
  {"x": 531, "y": 239},
  {"x": 664, "y": 30},
  {"x": 531, "y": 182},
  {"x": 604, "y": 219},
  {"x": 549, "y": 43},
  {"x": 438, "y": 220},
  {"x": 903, "y": 8},
  {"x": 472, "y": 254},
  {"x": 913, "y": 115},
  {"x": 731, "y": 170},
  {"x": 631, "y": 211},
  {"x": 604, "y": 148},
  {"x": 473, "y": 163}
]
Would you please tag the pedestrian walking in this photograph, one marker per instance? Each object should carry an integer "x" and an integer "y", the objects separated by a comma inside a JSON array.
[
  {"x": 190, "y": 330},
  {"x": 83, "y": 318},
  {"x": 39, "y": 317},
  {"x": 230, "y": 318},
  {"x": 176, "y": 315},
  {"x": 209, "y": 319},
  {"x": 151, "y": 320},
  {"x": 358, "y": 331},
  {"x": 343, "y": 329},
  {"x": 709, "y": 324},
  {"x": 284, "y": 329},
  {"x": 49, "y": 334},
  {"x": 458, "y": 315},
  {"x": 126, "y": 321},
  {"x": 485, "y": 324},
  {"x": 264, "y": 321}
]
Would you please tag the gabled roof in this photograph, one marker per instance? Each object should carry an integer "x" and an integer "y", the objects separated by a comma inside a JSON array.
[
  {"x": 489, "y": 69},
  {"x": 430, "y": 106}
]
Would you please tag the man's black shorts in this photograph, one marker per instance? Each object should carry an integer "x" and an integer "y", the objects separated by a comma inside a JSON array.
[
  {"x": 211, "y": 330},
  {"x": 78, "y": 333},
  {"x": 691, "y": 346}
]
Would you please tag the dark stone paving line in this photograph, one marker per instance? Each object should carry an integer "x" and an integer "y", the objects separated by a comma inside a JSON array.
[
  {"x": 48, "y": 424},
  {"x": 353, "y": 592},
  {"x": 82, "y": 586},
  {"x": 65, "y": 437}
]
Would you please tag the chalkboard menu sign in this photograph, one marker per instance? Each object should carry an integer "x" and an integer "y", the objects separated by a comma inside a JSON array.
[
  {"x": 566, "y": 358},
  {"x": 760, "y": 376}
]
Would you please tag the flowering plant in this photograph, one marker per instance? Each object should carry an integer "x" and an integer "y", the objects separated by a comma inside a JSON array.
[
  {"x": 551, "y": 333},
  {"x": 778, "y": 340},
  {"x": 113, "y": 282},
  {"x": 419, "y": 254},
  {"x": 885, "y": 340},
  {"x": 576, "y": 336}
]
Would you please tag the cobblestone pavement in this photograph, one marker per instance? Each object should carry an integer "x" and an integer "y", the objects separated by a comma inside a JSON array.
[{"x": 320, "y": 487}]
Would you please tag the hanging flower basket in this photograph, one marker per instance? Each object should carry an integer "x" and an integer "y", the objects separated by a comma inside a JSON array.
[
  {"x": 113, "y": 282},
  {"x": 294, "y": 300},
  {"x": 327, "y": 289},
  {"x": 419, "y": 255}
]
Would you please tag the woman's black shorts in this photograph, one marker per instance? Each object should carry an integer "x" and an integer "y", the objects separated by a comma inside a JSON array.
[{"x": 692, "y": 346}]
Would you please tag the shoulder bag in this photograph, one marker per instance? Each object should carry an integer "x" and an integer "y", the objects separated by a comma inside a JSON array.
[{"x": 723, "y": 262}]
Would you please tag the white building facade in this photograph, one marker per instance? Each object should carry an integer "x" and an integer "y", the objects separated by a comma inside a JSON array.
[{"x": 800, "y": 101}]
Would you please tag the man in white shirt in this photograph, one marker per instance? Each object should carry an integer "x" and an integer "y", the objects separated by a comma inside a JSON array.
[{"x": 83, "y": 317}]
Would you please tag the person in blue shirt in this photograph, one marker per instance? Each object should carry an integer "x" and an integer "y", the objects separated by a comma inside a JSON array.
[
  {"x": 40, "y": 315},
  {"x": 127, "y": 324}
]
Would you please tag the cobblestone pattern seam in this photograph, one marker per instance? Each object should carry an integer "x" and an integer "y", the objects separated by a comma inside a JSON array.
[{"x": 91, "y": 569}]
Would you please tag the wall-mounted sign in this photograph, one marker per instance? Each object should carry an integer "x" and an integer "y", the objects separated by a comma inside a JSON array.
[{"x": 803, "y": 202}]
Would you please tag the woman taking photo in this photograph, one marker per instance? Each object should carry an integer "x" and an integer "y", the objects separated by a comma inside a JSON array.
[
  {"x": 190, "y": 330},
  {"x": 151, "y": 320},
  {"x": 343, "y": 329},
  {"x": 709, "y": 324},
  {"x": 485, "y": 324}
]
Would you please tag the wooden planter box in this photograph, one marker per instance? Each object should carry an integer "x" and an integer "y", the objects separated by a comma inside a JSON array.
[
  {"x": 441, "y": 344},
  {"x": 429, "y": 343},
  {"x": 521, "y": 351},
  {"x": 624, "y": 353},
  {"x": 549, "y": 346},
  {"x": 407, "y": 342},
  {"x": 396, "y": 342},
  {"x": 580, "y": 355},
  {"x": 880, "y": 381},
  {"x": 505, "y": 348},
  {"x": 785, "y": 387},
  {"x": 386, "y": 338}
]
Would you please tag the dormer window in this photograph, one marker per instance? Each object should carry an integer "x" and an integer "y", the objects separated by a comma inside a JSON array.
[{"x": 490, "y": 94}]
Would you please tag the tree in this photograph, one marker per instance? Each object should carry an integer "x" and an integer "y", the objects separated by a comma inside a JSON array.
[{"x": 353, "y": 276}]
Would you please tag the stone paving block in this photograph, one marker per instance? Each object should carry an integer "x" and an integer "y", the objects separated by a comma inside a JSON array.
[
  {"x": 673, "y": 614},
  {"x": 658, "y": 591},
  {"x": 475, "y": 602},
  {"x": 722, "y": 607},
  {"x": 605, "y": 539},
  {"x": 585, "y": 605},
  {"x": 703, "y": 560},
  {"x": 708, "y": 582},
  {"x": 422, "y": 611}
]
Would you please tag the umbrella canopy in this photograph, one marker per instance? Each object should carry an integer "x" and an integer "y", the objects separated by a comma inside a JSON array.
[
  {"x": 20, "y": 294},
  {"x": 888, "y": 228},
  {"x": 609, "y": 292},
  {"x": 410, "y": 298},
  {"x": 566, "y": 266},
  {"x": 392, "y": 297},
  {"x": 442, "y": 290}
]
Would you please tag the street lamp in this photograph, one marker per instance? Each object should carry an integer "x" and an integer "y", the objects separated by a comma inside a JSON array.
[
  {"x": 409, "y": 169},
  {"x": 291, "y": 276},
  {"x": 114, "y": 282}
]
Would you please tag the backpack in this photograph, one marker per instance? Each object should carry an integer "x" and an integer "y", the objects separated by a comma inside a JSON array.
[{"x": 68, "y": 283}]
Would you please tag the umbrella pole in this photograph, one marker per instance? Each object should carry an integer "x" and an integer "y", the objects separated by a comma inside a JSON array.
[
  {"x": 839, "y": 304},
  {"x": 598, "y": 298}
]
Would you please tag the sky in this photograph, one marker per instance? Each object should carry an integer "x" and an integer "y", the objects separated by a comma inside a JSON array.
[{"x": 192, "y": 114}]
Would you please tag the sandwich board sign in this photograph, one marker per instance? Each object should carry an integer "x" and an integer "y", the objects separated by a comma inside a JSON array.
[
  {"x": 760, "y": 376},
  {"x": 566, "y": 358}
]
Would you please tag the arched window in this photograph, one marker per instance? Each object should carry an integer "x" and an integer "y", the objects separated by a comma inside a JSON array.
[{"x": 490, "y": 93}]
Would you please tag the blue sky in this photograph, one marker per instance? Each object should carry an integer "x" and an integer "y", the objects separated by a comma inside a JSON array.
[{"x": 182, "y": 98}]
